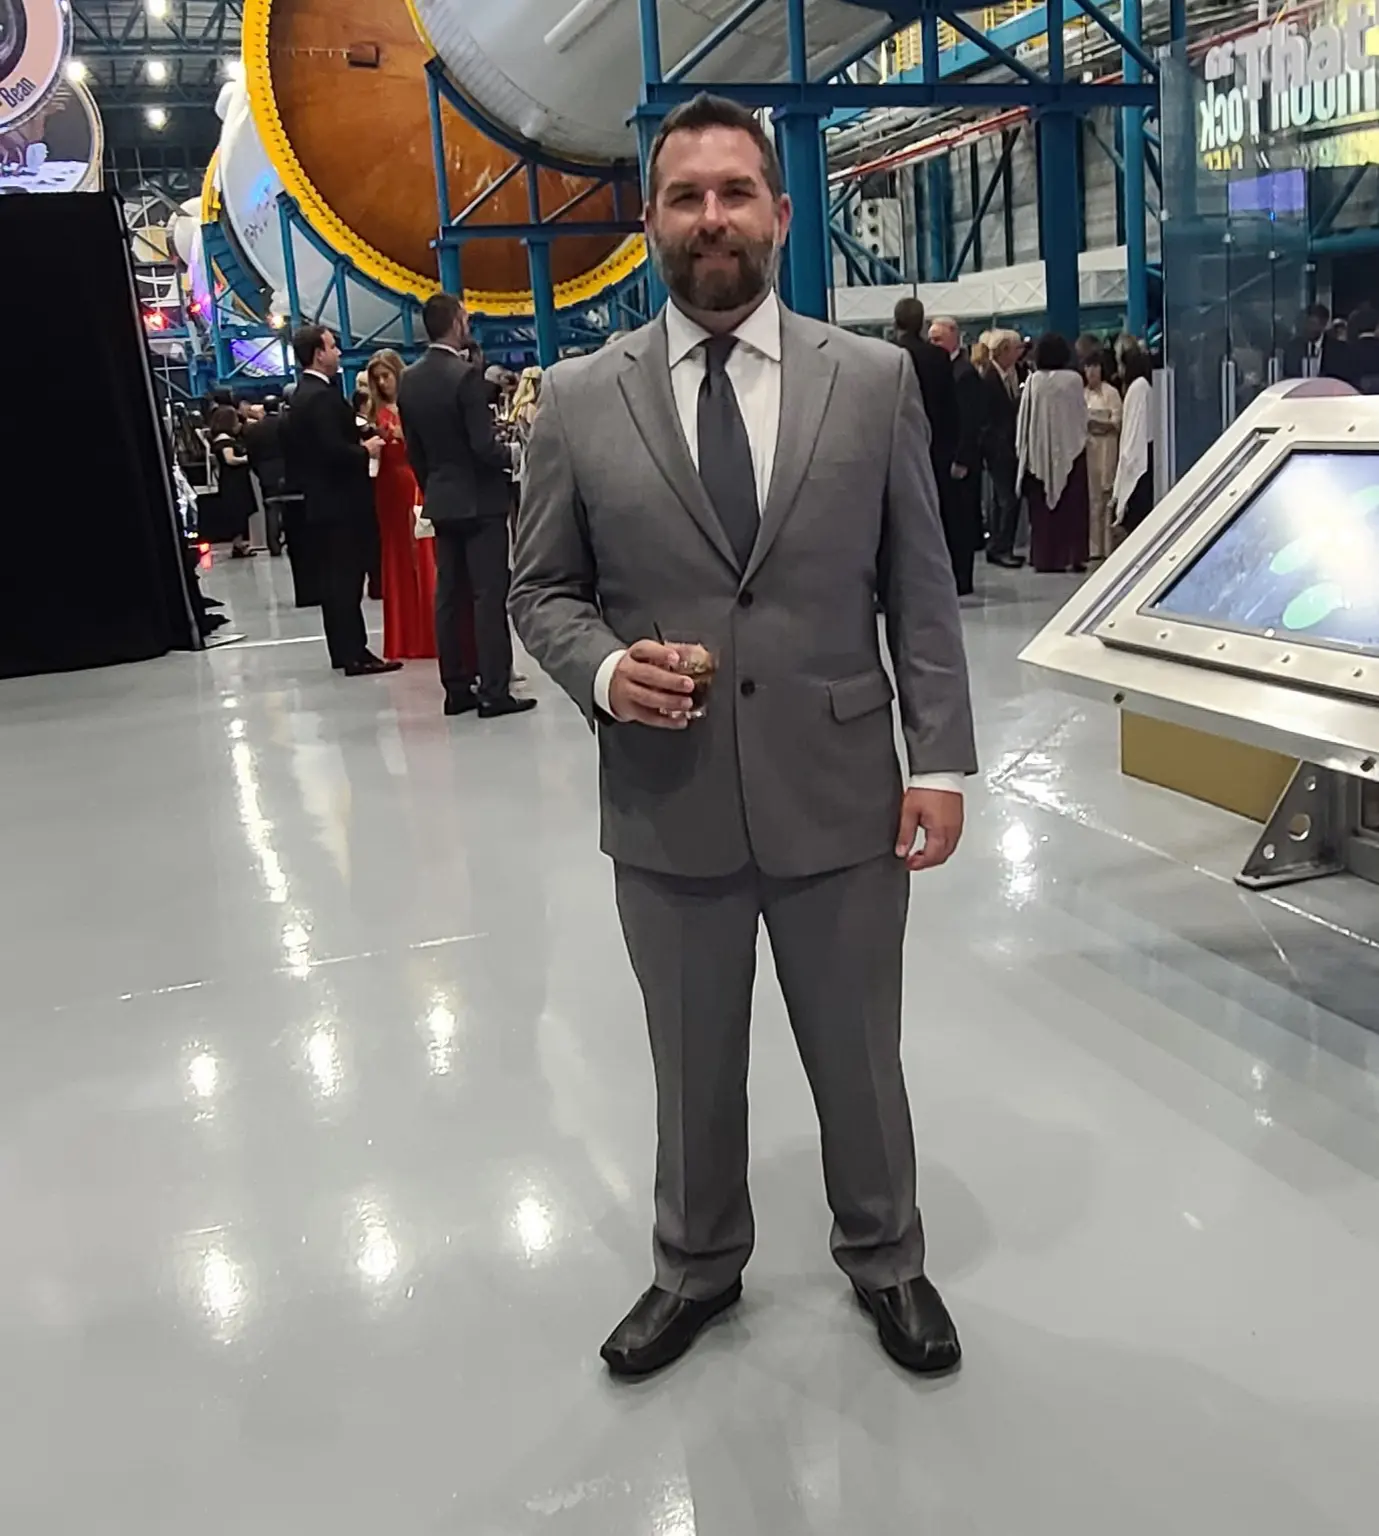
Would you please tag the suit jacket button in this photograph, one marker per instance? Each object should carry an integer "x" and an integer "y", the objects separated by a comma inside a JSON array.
[
  {"x": 746, "y": 600},
  {"x": 748, "y": 688}
]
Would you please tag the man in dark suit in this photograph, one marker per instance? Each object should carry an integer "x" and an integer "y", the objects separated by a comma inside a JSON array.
[
  {"x": 1309, "y": 353},
  {"x": 962, "y": 520},
  {"x": 935, "y": 374},
  {"x": 329, "y": 465},
  {"x": 462, "y": 468},
  {"x": 1002, "y": 385}
]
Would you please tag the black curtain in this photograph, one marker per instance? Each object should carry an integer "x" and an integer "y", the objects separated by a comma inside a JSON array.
[{"x": 92, "y": 566}]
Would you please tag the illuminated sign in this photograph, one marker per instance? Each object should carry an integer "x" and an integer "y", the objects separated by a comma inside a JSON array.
[
  {"x": 1281, "y": 79},
  {"x": 35, "y": 36},
  {"x": 1288, "y": 59}
]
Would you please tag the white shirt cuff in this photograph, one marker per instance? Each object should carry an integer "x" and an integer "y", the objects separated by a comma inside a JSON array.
[
  {"x": 950, "y": 783},
  {"x": 603, "y": 681}
]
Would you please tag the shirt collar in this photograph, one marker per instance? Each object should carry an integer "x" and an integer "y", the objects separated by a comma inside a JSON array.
[
  {"x": 760, "y": 330},
  {"x": 315, "y": 373},
  {"x": 444, "y": 346}
]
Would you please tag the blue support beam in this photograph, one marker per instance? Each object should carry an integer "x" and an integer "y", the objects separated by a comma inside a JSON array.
[
  {"x": 1132, "y": 140},
  {"x": 542, "y": 285},
  {"x": 937, "y": 216},
  {"x": 1073, "y": 95},
  {"x": 1060, "y": 192},
  {"x": 294, "y": 300}
]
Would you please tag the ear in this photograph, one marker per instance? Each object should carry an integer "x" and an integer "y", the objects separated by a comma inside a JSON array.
[{"x": 785, "y": 212}]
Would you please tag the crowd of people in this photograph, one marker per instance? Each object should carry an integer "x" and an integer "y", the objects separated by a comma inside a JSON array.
[
  {"x": 405, "y": 492},
  {"x": 1057, "y": 432}
]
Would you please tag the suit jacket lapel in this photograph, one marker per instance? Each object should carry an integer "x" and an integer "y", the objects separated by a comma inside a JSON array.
[
  {"x": 645, "y": 384},
  {"x": 807, "y": 374}
]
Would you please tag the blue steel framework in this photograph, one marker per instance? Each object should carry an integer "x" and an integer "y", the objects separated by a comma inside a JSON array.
[
  {"x": 801, "y": 105},
  {"x": 540, "y": 230}
]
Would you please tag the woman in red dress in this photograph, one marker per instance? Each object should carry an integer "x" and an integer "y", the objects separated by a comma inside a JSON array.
[{"x": 409, "y": 563}]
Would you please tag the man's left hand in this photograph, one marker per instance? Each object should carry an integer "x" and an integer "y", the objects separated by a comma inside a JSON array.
[{"x": 940, "y": 813}]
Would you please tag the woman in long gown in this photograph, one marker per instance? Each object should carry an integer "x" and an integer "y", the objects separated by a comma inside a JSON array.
[
  {"x": 408, "y": 563},
  {"x": 1051, "y": 435},
  {"x": 1103, "y": 448}
]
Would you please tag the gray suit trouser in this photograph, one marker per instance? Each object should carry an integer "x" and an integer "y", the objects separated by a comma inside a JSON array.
[{"x": 837, "y": 940}]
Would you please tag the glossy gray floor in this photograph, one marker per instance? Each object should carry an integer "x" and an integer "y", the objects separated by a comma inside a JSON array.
[{"x": 325, "y": 1142}]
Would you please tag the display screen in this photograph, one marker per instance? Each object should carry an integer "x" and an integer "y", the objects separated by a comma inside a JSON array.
[{"x": 1300, "y": 558}]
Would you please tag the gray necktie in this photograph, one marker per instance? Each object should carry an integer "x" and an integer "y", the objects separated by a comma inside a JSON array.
[{"x": 725, "y": 454}]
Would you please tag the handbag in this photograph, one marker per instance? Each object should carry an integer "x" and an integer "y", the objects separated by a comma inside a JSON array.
[{"x": 422, "y": 526}]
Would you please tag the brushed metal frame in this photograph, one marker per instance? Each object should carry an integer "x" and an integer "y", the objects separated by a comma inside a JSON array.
[{"x": 1311, "y": 707}]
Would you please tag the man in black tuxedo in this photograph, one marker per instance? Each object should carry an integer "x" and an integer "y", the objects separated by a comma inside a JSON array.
[
  {"x": 935, "y": 385},
  {"x": 962, "y": 520},
  {"x": 328, "y": 464},
  {"x": 1313, "y": 353},
  {"x": 1002, "y": 385},
  {"x": 462, "y": 468}
]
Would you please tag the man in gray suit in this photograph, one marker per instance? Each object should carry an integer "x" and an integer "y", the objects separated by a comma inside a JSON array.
[{"x": 738, "y": 478}]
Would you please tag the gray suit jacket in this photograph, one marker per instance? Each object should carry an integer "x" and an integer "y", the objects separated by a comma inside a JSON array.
[{"x": 795, "y": 766}]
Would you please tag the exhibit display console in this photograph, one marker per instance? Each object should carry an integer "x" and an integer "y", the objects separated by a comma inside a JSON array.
[{"x": 1247, "y": 606}]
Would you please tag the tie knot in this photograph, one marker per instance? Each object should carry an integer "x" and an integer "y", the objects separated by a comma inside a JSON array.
[{"x": 717, "y": 351}]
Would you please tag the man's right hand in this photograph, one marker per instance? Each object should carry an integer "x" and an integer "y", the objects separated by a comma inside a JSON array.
[
  {"x": 373, "y": 446},
  {"x": 647, "y": 689}
]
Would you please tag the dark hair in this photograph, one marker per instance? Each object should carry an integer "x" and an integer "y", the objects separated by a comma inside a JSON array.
[
  {"x": 1100, "y": 359},
  {"x": 307, "y": 341},
  {"x": 1364, "y": 320},
  {"x": 909, "y": 316},
  {"x": 272, "y": 404},
  {"x": 1319, "y": 312},
  {"x": 439, "y": 314},
  {"x": 225, "y": 418},
  {"x": 1052, "y": 352},
  {"x": 705, "y": 111},
  {"x": 1137, "y": 364}
]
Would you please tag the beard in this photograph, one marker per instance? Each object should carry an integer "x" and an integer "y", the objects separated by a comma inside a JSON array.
[{"x": 735, "y": 285}]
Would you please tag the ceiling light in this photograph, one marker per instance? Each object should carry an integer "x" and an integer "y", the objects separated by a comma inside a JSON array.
[
  {"x": 76, "y": 71},
  {"x": 156, "y": 117},
  {"x": 157, "y": 71},
  {"x": 156, "y": 8}
]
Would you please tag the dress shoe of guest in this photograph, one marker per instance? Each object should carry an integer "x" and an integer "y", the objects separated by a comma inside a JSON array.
[
  {"x": 460, "y": 701},
  {"x": 660, "y": 1328},
  {"x": 1006, "y": 562},
  {"x": 913, "y": 1323},
  {"x": 371, "y": 666},
  {"x": 495, "y": 709}
]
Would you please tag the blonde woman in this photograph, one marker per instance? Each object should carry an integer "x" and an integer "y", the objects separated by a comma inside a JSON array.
[
  {"x": 524, "y": 404},
  {"x": 408, "y": 563}
]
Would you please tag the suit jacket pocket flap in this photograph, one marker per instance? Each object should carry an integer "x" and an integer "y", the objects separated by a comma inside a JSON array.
[{"x": 853, "y": 697}]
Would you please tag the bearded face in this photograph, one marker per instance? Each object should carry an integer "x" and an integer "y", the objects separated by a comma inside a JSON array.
[{"x": 715, "y": 224}]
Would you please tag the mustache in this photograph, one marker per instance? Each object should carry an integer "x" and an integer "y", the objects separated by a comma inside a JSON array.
[{"x": 736, "y": 244}]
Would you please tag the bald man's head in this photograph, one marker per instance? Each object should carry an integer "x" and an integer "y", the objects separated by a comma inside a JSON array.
[{"x": 943, "y": 332}]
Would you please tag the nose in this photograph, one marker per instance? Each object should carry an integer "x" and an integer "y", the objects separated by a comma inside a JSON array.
[{"x": 714, "y": 215}]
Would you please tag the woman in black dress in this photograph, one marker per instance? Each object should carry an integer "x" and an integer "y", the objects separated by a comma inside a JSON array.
[{"x": 232, "y": 468}]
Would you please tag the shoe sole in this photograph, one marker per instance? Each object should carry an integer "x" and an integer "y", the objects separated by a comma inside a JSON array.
[
  {"x": 626, "y": 1372},
  {"x": 930, "y": 1371}
]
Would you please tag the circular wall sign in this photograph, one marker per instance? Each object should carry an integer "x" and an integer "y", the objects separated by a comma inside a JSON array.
[{"x": 35, "y": 36}]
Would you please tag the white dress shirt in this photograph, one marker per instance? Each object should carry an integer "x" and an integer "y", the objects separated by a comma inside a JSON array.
[{"x": 754, "y": 369}]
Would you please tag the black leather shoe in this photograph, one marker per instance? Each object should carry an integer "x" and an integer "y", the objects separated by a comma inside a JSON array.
[
  {"x": 459, "y": 701},
  {"x": 1006, "y": 562},
  {"x": 915, "y": 1328},
  {"x": 660, "y": 1328},
  {"x": 494, "y": 709},
  {"x": 371, "y": 666}
]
